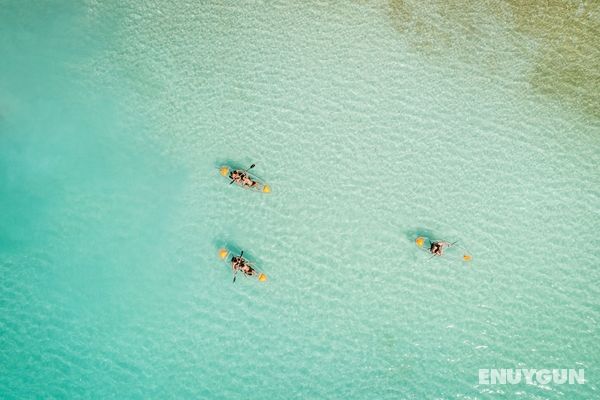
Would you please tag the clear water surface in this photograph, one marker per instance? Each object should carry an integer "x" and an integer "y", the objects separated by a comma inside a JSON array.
[{"x": 373, "y": 122}]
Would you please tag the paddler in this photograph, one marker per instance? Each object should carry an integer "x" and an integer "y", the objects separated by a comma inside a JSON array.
[
  {"x": 236, "y": 176},
  {"x": 238, "y": 263},
  {"x": 247, "y": 181},
  {"x": 437, "y": 248},
  {"x": 241, "y": 178}
]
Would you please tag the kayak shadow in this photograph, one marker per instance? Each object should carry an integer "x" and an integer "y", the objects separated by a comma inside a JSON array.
[
  {"x": 412, "y": 234},
  {"x": 233, "y": 164},
  {"x": 233, "y": 248}
]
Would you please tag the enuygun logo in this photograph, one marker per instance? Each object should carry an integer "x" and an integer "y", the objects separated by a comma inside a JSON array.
[{"x": 502, "y": 376}]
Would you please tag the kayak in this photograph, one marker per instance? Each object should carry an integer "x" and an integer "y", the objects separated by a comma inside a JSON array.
[
  {"x": 257, "y": 185},
  {"x": 451, "y": 250},
  {"x": 227, "y": 256}
]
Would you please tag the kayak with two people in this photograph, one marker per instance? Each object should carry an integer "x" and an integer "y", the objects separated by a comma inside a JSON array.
[
  {"x": 244, "y": 179},
  {"x": 240, "y": 264}
]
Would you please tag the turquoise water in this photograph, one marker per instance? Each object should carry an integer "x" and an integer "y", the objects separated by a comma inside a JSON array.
[{"x": 373, "y": 122}]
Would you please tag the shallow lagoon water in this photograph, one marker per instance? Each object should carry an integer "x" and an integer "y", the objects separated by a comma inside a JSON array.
[{"x": 114, "y": 118}]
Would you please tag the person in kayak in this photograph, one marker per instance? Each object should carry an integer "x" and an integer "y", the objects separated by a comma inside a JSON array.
[
  {"x": 248, "y": 270},
  {"x": 247, "y": 181},
  {"x": 437, "y": 248},
  {"x": 237, "y": 176},
  {"x": 238, "y": 263},
  {"x": 241, "y": 178}
]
